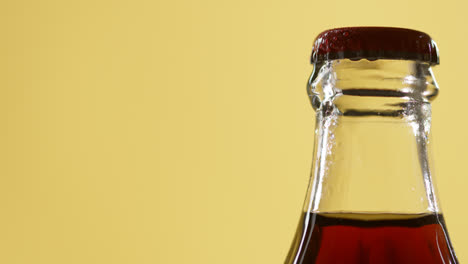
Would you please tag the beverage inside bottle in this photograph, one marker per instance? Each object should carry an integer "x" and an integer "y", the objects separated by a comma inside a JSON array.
[{"x": 371, "y": 198}]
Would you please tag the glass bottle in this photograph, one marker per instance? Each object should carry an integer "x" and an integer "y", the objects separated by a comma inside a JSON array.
[{"x": 371, "y": 197}]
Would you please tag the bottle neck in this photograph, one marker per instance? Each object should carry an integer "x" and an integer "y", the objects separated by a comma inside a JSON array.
[{"x": 372, "y": 142}]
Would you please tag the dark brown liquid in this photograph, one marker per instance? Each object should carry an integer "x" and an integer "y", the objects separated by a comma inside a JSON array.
[{"x": 366, "y": 239}]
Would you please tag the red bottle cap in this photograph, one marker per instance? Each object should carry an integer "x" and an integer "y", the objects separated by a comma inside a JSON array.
[{"x": 373, "y": 43}]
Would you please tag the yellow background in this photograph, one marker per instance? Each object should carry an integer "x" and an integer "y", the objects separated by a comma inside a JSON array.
[{"x": 180, "y": 131}]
